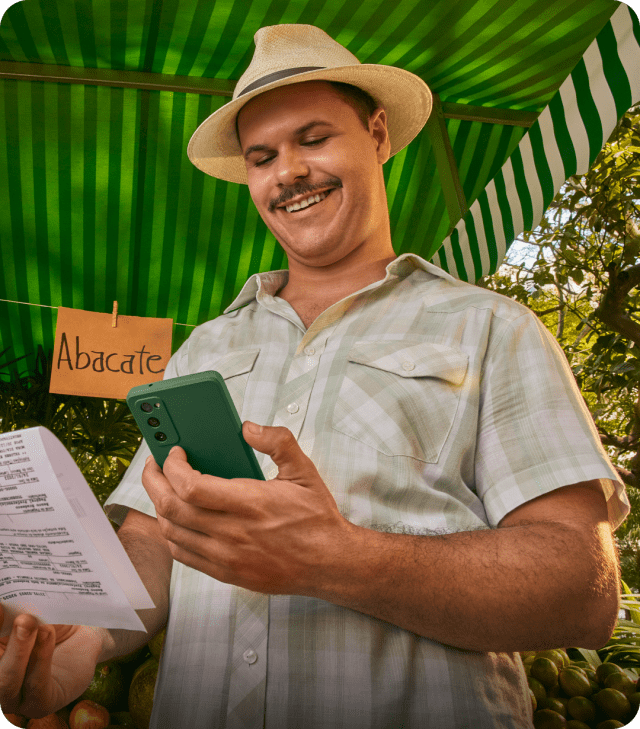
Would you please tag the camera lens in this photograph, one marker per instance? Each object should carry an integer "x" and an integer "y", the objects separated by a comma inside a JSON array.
[
  {"x": 146, "y": 407},
  {"x": 153, "y": 422},
  {"x": 161, "y": 436}
]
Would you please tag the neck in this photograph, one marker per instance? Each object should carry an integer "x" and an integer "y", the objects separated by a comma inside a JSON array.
[{"x": 310, "y": 291}]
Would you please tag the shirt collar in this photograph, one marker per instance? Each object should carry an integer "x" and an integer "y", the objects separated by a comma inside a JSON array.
[{"x": 268, "y": 284}]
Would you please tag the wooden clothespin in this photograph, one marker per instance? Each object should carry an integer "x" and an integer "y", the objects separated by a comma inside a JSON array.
[{"x": 114, "y": 316}]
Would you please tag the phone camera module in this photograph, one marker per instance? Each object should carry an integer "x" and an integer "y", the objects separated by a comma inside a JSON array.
[
  {"x": 146, "y": 407},
  {"x": 153, "y": 422},
  {"x": 161, "y": 436}
]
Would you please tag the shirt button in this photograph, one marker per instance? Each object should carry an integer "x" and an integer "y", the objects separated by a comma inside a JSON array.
[
  {"x": 250, "y": 656},
  {"x": 408, "y": 366},
  {"x": 293, "y": 408},
  {"x": 309, "y": 351}
]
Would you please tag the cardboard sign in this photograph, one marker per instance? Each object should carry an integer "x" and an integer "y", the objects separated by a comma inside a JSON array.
[{"x": 93, "y": 357}]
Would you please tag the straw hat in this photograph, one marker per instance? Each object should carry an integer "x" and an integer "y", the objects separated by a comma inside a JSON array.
[{"x": 288, "y": 54}]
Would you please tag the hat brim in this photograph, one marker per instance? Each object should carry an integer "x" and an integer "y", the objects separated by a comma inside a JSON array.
[{"x": 406, "y": 99}]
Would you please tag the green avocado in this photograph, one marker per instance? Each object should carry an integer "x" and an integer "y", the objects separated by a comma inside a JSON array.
[
  {"x": 141, "y": 692},
  {"x": 107, "y": 686}
]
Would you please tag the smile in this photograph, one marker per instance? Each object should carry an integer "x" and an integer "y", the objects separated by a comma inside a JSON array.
[{"x": 311, "y": 200}]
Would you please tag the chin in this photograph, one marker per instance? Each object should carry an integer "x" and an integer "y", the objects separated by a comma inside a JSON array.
[
  {"x": 316, "y": 256},
  {"x": 314, "y": 249}
]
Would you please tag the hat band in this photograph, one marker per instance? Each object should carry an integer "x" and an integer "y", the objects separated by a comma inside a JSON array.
[{"x": 276, "y": 76}]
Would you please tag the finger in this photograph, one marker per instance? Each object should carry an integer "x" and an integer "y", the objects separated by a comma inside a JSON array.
[
  {"x": 155, "y": 481},
  {"x": 202, "y": 490},
  {"x": 207, "y": 565},
  {"x": 38, "y": 674},
  {"x": 62, "y": 632},
  {"x": 280, "y": 444},
  {"x": 151, "y": 465},
  {"x": 14, "y": 662},
  {"x": 178, "y": 497},
  {"x": 177, "y": 470},
  {"x": 150, "y": 474}
]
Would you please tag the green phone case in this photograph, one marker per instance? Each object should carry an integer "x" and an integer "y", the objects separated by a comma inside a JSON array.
[{"x": 197, "y": 413}]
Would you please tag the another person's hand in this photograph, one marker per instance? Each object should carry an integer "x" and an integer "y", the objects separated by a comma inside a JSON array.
[
  {"x": 282, "y": 536},
  {"x": 45, "y": 668}
]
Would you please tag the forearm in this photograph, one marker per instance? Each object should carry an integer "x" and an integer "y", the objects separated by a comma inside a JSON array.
[
  {"x": 507, "y": 589},
  {"x": 153, "y": 565}
]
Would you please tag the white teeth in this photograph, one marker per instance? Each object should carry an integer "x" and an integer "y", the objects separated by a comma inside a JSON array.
[{"x": 305, "y": 203}]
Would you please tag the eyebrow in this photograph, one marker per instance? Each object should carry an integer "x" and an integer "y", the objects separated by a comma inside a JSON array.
[{"x": 297, "y": 132}]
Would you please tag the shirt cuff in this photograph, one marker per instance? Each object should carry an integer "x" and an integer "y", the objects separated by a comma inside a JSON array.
[{"x": 516, "y": 489}]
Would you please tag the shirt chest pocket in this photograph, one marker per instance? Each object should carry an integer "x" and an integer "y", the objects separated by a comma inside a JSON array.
[
  {"x": 235, "y": 368},
  {"x": 401, "y": 398}
]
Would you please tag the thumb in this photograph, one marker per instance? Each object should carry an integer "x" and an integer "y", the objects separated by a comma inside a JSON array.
[{"x": 280, "y": 444}]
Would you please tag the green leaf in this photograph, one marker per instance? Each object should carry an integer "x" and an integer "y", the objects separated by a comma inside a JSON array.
[
  {"x": 571, "y": 256},
  {"x": 589, "y": 655},
  {"x": 623, "y": 367},
  {"x": 631, "y": 602}
]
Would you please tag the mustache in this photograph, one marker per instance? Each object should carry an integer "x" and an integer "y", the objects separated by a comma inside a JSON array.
[{"x": 303, "y": 188}]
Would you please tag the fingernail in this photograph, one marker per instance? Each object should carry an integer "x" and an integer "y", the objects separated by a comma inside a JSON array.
[
  {"x": 174, "y": 449},
  {"x": 148, "y": 461},
  {"x": 254, "y": 428},
  {"x": 22, "y": 632}
]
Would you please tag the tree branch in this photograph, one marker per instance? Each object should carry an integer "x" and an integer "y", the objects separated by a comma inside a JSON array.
[
  {"x": 560, "y": 327},
  {"x": 627, "y": 477},
  {"x": 624, "y": 444},
  {"x": 619, "y": 322},
  {"x": 611, "y": 310},
  {"x": 547, "y": 311},
  {"x": 630, "y": 278},
  {"x": 582, "y": 334}
]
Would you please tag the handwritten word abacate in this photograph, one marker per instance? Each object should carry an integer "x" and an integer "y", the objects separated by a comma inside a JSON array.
[{"x": 103, "y": 362}]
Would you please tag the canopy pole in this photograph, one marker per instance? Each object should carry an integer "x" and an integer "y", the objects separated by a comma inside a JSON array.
[
  {"x": 454, "y": 197},
  {"x": 214, "y": 87}
]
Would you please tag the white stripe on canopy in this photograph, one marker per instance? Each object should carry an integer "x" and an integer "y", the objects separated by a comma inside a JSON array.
[{"x": 456, "y": 255}]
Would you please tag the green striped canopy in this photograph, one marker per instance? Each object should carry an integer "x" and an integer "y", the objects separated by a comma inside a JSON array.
[{"x": 98, "y": 99}]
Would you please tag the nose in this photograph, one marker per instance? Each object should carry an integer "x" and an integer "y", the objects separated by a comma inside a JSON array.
[{"x": 291, "y": 166}]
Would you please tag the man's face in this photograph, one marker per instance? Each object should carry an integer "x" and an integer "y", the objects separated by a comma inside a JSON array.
[{"x": 315, "y": 172}]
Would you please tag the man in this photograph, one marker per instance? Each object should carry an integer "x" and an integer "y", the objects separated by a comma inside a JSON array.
[{"x": 436, "y": 496}]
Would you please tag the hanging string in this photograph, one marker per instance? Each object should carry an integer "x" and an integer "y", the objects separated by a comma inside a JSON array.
[
  {"x": 28, "y": 304},
  {"x": 47, "y": 306}
]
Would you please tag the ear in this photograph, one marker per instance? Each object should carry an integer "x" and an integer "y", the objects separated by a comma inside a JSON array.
[{"x": 380, "y": 134}]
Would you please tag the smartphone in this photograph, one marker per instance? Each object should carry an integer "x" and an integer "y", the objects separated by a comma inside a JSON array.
[{"x": 195, "y": 412}]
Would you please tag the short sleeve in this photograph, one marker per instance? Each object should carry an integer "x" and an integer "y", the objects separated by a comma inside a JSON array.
[
  {"x": 130, "y": 493},
  {"x": 535, "y": 433}
]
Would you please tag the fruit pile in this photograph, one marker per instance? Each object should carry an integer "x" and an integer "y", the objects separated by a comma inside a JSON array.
[
  {"x": 120, "y": 695},
  {"x": 575, "y": 694}
]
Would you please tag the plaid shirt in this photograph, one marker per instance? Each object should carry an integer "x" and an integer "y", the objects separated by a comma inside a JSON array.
[{"x": 426, "y": 404}]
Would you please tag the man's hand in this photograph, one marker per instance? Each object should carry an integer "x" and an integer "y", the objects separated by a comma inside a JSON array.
[
  {"x": 268, "y": 536},
  {"x": 44, "y": 667},
  {"x": 286, "y": 536}
]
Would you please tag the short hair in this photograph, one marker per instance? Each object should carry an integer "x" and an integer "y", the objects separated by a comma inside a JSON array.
[{"x": 359, "y": 100}]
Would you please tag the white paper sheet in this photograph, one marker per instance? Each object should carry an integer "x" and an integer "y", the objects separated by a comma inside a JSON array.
[{"x": 60, "y": 558}]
